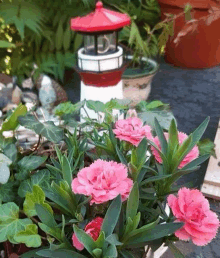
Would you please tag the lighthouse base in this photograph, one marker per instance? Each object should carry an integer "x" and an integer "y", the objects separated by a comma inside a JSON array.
[{"x": 103, "y": 94}]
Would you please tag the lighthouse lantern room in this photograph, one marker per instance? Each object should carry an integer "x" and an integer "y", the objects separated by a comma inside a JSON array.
[{"x": 100, "y": 62}]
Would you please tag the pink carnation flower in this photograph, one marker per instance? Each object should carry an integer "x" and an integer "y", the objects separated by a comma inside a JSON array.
[
  {"x": 132, "y": 130},
  {"x": 103, "y": 180},
  {"x": 93, "y": 229},
  {"x": 192, "y": 208},
  {"x": 193, "y": 154}
]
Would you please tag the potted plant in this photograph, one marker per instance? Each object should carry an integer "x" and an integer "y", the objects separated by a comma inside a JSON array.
[
  {"x": 139, "y": 47},
  {"x": 191, "y": 50},
  {"x": 106, "y": 201}
]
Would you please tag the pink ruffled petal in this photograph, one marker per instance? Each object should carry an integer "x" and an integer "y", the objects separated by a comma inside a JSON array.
[{"x": 182, "y": 234}]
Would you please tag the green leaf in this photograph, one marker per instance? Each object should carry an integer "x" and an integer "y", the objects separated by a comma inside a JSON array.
[
  {"x": 66, "y": 170},
  {"x": 100, "y": 240},
  {"x": 7, "y": 192},
  {"x": 197, "y": 134},
  {"x": 154, "y": 104},
  {"x": 126, "y": 254},
  {"x": 78, "y": 40},
  {"x": 32, "y": 253},
  {"x": 97, "y": 252},
  {"x": 6, "y": 44},
  {"x": 113, "y": 239},
  {"x": 10, "y": 224},
  {"x": 111, "y": 216},
  {"x": 154, "y": 178},
  {"x": 206, "y": 146},
  {"x": 160, "y": 134},
  {"x": 173, "y": 139},
  {"x": 36, "y": 196},
  {"x": 157, "y": 232},
  {"x": 30, "y": 163},
  {"x": 136, "y": 220},
  {"x": 59, "y": 36},
  {"x": 121, "y": 156},
  {"x": 55, "y": 232},
  {"x": 25, "y": 186},
  {"x": 11, "y": 122},
  {"x": 196, "y": 162},
  {"x": 143, "y": 229},
  {"x": 111, "y": 252},
  {"x": 97, "y": 106},
  {"x": 40, "y": 177},
  {"x": 60, "y": 197},
  {"x": 85, "y": 239},
  {"x": 45, "y": 215},
  {"x": 141, "y": 152},
  {"x": 164, "y": 118},
  {"x": 65, "y": 253},
  {"x": 181, "y": 153},
  {"x": 48, "y": 129},
  {"x": 67, "y": 39},
  {"x": 29, "y": 236},
  {"x": 133, "y": 202},
  {"x": 10, "y": 151}
]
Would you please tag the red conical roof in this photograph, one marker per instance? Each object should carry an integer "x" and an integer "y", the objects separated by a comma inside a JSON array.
[{"x": 100, "y": 20}]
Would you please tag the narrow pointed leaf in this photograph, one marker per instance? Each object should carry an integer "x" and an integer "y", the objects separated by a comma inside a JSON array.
[{"x": 111, "y": 216}]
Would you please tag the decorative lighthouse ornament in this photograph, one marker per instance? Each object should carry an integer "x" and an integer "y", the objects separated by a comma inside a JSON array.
[{"x": 100, "y": 62}]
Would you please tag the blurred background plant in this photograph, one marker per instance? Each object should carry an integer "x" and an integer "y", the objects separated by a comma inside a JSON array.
[
  {"x": 41, "y": 35},
  {"x": 40, "y": 31}
]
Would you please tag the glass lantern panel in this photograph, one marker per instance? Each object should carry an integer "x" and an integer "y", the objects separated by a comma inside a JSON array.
[
  {"x": 89, "y": 44},
  {"x": 107, "y": 43}
]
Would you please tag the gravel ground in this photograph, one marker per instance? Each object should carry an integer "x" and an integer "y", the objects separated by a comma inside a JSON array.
[{"x": 193, "y": 95}]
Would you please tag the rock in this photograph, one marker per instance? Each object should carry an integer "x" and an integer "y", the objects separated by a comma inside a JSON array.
[
  {"x": 4, "y": 169},
  {"x": 28, "y": 84},
  {"x": 61, "y": 95},
  {"x": 16, "y": 95},
  {"x": 5, "y": 79},
  {"x": 2, "y": 86},
  {"x": 5, "y": 97},
  {"x": 47, "y": 94},
  {"x": 29, "y": 97}
]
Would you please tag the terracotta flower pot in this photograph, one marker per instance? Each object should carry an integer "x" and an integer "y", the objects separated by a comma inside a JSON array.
[
  {"x": 199, "y": 49},
  {"x": 137, "y": 82}
]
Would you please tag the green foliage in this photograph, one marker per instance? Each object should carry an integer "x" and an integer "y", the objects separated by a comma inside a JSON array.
[
  {"x": 5, "y": 44},
  {"x": 29, "y": 236},
  {"x": 38, "y": 201},
  {"x": 11, "y": 122},
  {"x": 37, "y": 196},
  {"x": 42, "y": 35},
  {"x": 10, "y": 224},
  {"x": 206, "y": 146},
  {"x": 46, "y": 129}
]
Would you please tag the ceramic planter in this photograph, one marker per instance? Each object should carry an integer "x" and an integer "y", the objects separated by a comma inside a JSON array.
[
  {"x": 200, "y": 49},
  {"x": 137, "y": 82}
]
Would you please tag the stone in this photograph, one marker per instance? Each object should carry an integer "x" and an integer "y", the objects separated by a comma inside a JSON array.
[
  {"x": 2, "y": 86},
  {"x": 28, "y": 84},
  {"x": 61, "y": 95},
  {"x": 5, "y": 79}
]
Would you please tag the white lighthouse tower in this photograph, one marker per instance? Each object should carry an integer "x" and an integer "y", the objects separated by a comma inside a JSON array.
[{"x": 100, "y": 62}]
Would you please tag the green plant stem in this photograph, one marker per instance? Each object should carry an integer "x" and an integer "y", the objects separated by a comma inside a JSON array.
[{"x": 86, "y": 113}]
